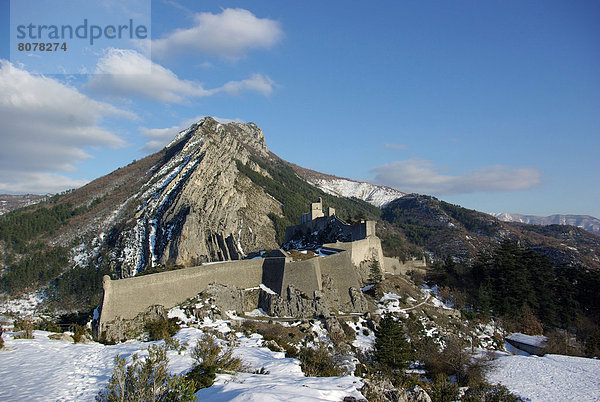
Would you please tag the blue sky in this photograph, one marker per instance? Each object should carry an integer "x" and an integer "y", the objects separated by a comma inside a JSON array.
[{"x": 491, "y": 105}]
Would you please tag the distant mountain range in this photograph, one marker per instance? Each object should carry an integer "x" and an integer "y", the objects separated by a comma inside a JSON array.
[{"x": 585, "y": 222}]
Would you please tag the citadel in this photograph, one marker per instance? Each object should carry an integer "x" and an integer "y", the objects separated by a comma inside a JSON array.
[{"x": 310, "y": 278}]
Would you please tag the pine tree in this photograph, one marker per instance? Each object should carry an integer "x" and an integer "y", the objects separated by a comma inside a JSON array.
[
  {"x": 375, "y": 271},
  {"x": 391, "y": 350}
]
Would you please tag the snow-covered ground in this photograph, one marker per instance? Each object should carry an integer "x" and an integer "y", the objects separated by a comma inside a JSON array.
[
  {"x": 285, "y": 381},
  {"x": 549, "y": 378},
  {"x": 43, "y": 369}
]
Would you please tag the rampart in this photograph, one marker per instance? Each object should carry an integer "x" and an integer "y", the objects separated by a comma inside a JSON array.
[
  {"x": 349, "y": 265},
  {"x": 126, "y": 298},
  {"x": 393, "y": 265},
  {"x": 362, "y": 253}
]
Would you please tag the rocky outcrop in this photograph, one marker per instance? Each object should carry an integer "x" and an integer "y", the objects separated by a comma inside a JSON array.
[
  {"x": 231, "y": 298},
  {"x": 196, "y": 207},
  {"x": 293, "y": 304},
  {"x": 382, "y": 389},
  {"x": 358, "y": 301},
  {"x": 120, "y": 329}
]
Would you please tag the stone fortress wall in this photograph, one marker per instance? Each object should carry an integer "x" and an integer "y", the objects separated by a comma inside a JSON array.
[{"x": 347, "y": 268}]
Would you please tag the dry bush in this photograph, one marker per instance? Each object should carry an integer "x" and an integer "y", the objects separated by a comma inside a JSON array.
[
  {"x": 455, "y": 296},
  {"x": 25, "y": 326},
  {"x": 489, "y": 393},
  {"x": 348, "y": 331},
  {"x": 175, "y": 344},
  {"x": 321, "y": 362},
  {"x": 274, "y": 330},
  {"x": 417, "y": 277},
  {"x": 162, "y": 328},
  {"x": 443, "y": 390},
  {"x": 526, "y": 322},
  {"x": 456, "y": 360},
  {"x": 47, "y": 325},
  {"x": 211, "y": 358},
  {"x": 560, "y": 342},
  {"x": 282, "y": 336},
  {"x": 146, "y": 380},
  {"x": 209, "y": 353}
]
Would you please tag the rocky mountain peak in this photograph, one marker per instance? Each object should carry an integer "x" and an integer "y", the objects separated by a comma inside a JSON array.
[{"x": 248, "y": 134}]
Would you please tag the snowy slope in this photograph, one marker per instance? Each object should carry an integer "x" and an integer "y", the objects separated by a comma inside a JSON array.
[
  {"x": 379, "y": 196},
  {"x": 549, "y": 378},
  {"x": 42, "y": 369},
  {"x": 585, "y": 222}
]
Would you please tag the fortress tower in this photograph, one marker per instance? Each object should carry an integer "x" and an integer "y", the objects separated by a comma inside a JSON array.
[{"x": 316, "y": 211}]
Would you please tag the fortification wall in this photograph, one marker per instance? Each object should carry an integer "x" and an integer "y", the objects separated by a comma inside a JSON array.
[
  {"x": 363, "y": 230},
  {"x": 334, "y": 274},
  {"x": 126, "y": 298},
  {"x": 272, "y": 276},
  {"x": 303, "y": 275},
  {"x": 362, "y": 253},
  {"x": 393, "y": 265},
  {"x": 338, "y": 267}
]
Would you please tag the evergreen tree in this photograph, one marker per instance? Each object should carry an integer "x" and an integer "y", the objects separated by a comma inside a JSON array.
[
  {"x": 375, "y": 271},
  {"x": 392, "y": 350}
]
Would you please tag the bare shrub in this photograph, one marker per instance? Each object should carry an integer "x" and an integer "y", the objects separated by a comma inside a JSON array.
[
  {"x": 209, "y": 353},
  {"x": 320, "y": 362},
  {"x": 162, "y": 328},
  {"x": 443, "y": 390},
  {"x": 489, "y": 393},
  {"x": 560, "y": 342},
  {"x": 78, "y": 333},
  {"x": 525, "y": 322},
  {"x": 456, "y": 360},
  {"x": 25, "y": 326},
  {"x": 210, "y": 358}
]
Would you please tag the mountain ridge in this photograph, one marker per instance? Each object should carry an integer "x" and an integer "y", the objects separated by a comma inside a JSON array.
[
  {"x": 217, "y": 192},
  {"x": 586, "y": 222}
]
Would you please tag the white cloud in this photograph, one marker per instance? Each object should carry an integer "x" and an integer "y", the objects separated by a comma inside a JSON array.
[
  {"x": 46, "y": 125},
  {"x": 121, "y": 72},
  {"x": 158, "y": 138},
  {"x": 257, "y": 83},
  {"x": 396, "y": 146},
  {"x": 36, "y": 182},
  {"x": 229, "y": 34},
  {"x": 419, "y": 176},
  {"x": 124, "y": 72}
]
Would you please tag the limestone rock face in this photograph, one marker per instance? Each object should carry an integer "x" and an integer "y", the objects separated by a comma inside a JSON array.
[
  {"x": 358, "y": 300},
  {"x": 293, "y": 304},
  {"x": 196, "y": 206},
  {"x": 120, "y": 329}
]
